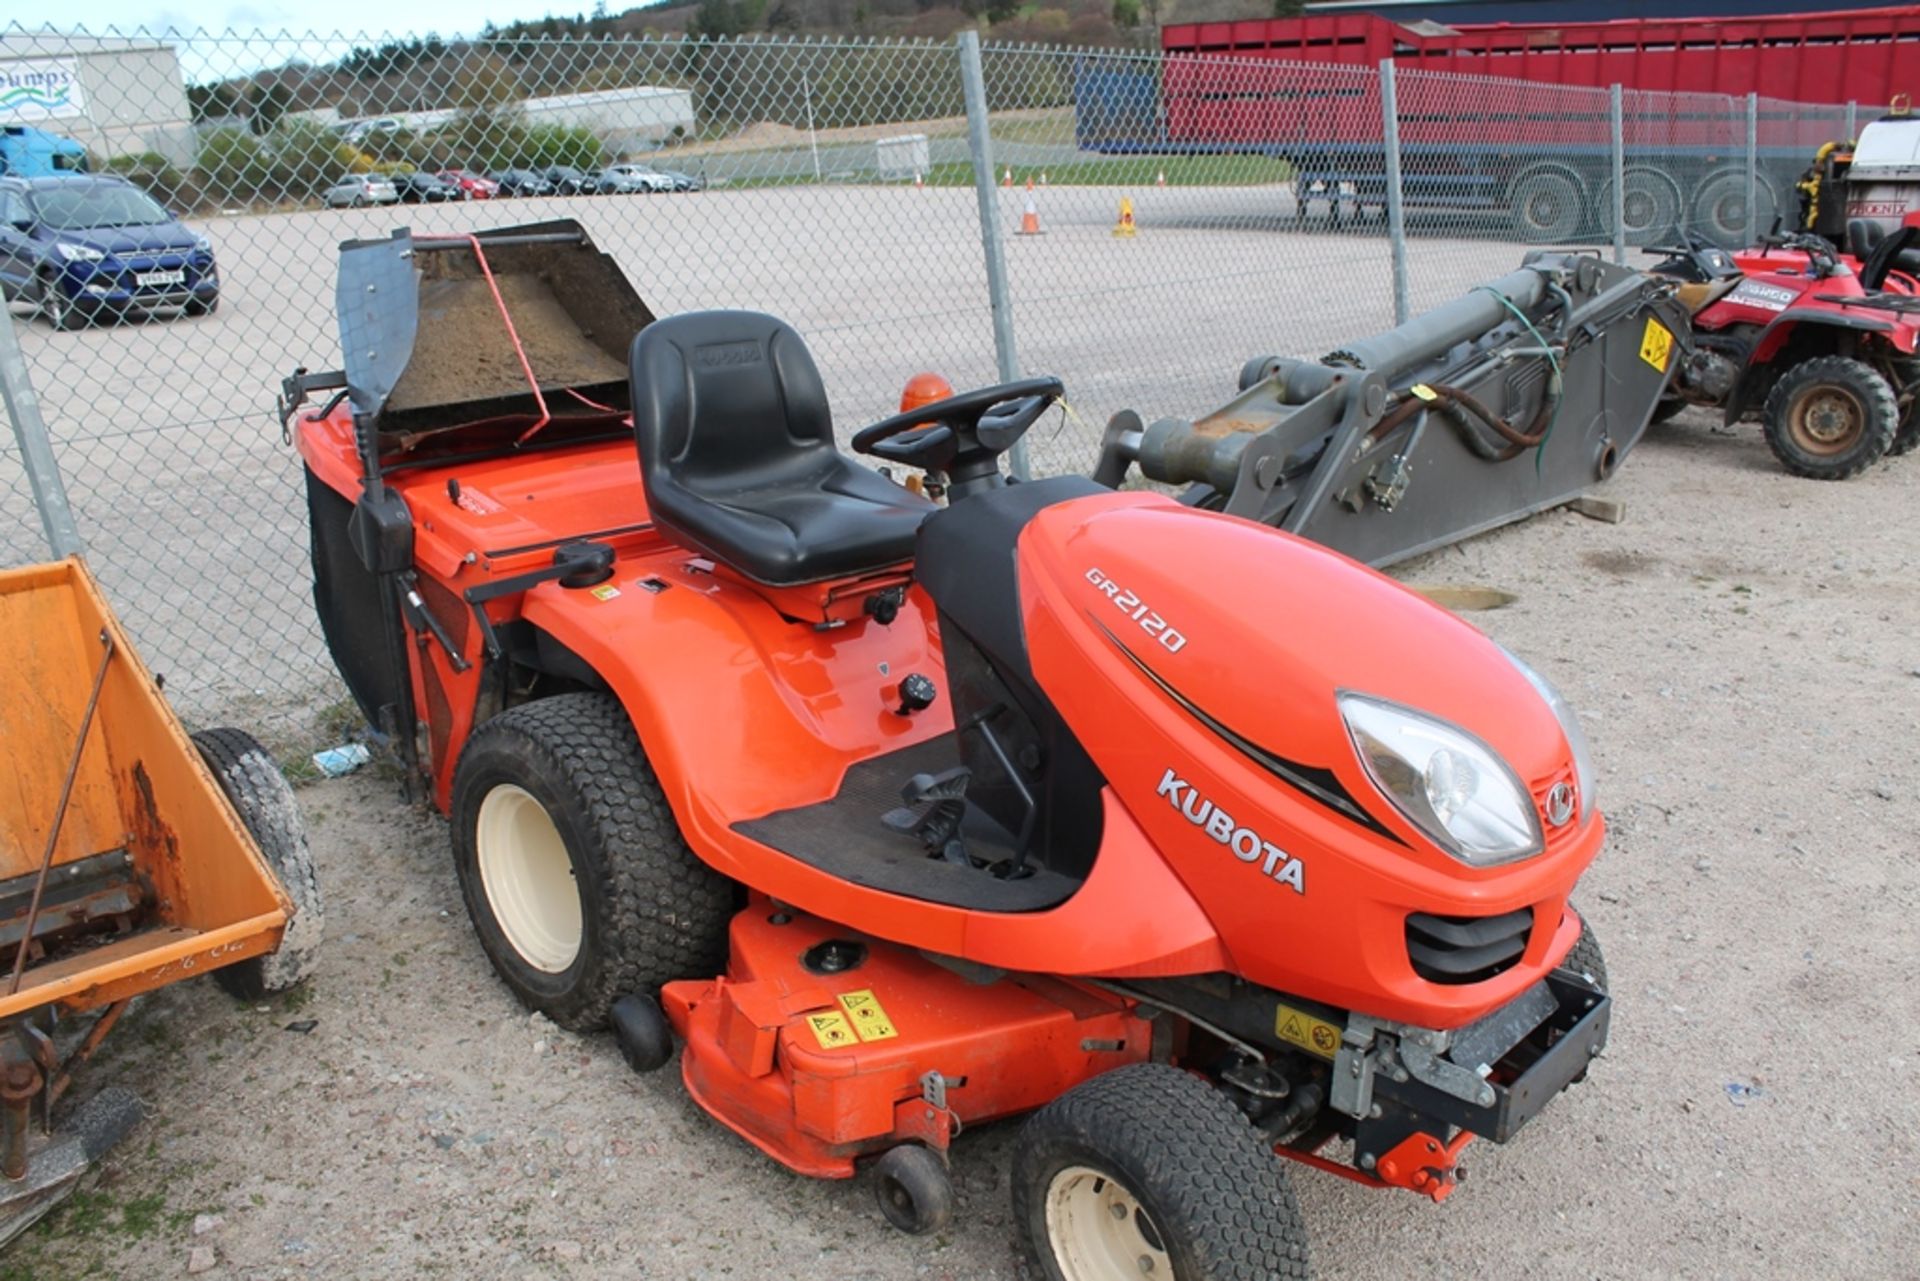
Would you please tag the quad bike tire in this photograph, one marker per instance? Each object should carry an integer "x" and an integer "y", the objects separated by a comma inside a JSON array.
[
  {"x": 571, "y": 865},
  {"x": 253, "y": 783},
  {"x": 1666, "y": 408},
  {"x": 1830, "y": 418},
  {"x": 1149, "y": 1171},
  {"x": 1908, "y": 436}
]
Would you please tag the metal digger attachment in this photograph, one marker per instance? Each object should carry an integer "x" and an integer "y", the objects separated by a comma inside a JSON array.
[{"x": 1504, "y": 402}]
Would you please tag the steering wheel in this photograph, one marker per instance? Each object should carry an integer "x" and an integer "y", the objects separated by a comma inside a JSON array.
[{"x": 958, "y": 434}]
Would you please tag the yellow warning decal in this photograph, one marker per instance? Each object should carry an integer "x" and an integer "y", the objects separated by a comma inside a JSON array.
[
  {"x": 1315, "y": 1036},
  {"x": 1656, "y": 345},
  {"x": 831, "y": 1029},
  {"x": 1424, "y": 392},
  {"x": 869, "y": 1016},
  {"x": 605, "y": 591}
]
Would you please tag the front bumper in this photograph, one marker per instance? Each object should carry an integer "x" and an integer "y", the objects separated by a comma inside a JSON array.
[
  {"x": 1490, "y": 1077},
  {"x": 112, "y": 285}
]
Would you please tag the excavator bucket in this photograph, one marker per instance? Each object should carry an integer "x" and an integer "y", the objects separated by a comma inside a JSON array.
[{"x": 1509, "y": 400}]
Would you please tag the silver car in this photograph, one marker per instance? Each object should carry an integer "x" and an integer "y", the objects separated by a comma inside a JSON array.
[{"x": 359, "y": 189}]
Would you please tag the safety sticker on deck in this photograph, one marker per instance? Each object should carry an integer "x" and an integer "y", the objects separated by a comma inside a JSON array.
[
  {"x": 831, "y": 1029},
  {"x": 1315, "y": 1036},
  {"x": 1656, "y": 345},
  {"x": 869, "y": 1017},
  {"x": 605, "y": 591}
]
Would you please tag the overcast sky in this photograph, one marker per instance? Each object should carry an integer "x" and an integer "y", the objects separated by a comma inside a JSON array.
[{"x": 375, "y": 17}]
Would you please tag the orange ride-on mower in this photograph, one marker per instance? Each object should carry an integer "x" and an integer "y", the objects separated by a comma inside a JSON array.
[{"x": 1197, "y": 842}]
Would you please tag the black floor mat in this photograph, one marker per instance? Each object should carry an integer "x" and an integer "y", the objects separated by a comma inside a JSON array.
[{"x": 845, "y": 837}]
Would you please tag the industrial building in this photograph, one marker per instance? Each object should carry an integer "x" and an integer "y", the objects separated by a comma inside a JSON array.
[{"x": 114, "y": 95}]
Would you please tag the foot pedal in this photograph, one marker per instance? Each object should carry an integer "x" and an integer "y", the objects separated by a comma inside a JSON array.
[{"x": 935, "y": 806}]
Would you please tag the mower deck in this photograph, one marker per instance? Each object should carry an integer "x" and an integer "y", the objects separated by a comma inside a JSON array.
[
  {"x": 844, "y": 836},
  {"x": 821, "y": 1045}
]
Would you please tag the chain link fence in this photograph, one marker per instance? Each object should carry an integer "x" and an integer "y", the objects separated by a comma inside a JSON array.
[{"x": 1139, "y": 224}]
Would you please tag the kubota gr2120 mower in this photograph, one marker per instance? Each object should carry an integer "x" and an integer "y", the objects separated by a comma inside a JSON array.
[{"x": 1198, "y": 842}]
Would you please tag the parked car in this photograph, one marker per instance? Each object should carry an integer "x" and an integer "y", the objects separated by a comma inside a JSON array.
[
  {"x": 85, "y": 247},
  {"x": 620, "y": 180},
  {"x": 473, "y": 186},
  {"x": 425, "y": 189},
  {"x": 568, "y": 181},
  {"x": 683, "y": 181},
  {"x": 357, "y": 189},
  {"x": 521, "y": 182}
]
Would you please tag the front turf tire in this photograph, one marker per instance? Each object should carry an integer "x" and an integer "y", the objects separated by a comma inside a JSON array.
[
  {"x": 1151, "y": 1163},
  {"x": 556, "y": 797}
]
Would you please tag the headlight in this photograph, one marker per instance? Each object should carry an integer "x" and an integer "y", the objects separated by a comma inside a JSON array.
[
  {"x": 78, "y": 253},
  {"x": 1450, "y": 784},
  {"x": 201, "y": 243},
  {"x": 1570, "y": 726}
]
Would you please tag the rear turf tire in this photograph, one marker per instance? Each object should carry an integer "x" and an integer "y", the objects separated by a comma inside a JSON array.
[
  {"x": 573, "y": 870},
  {"x": 1151, "y": 1163},
  {"x": 252, "y": 782},
  {"x": 1830, "y": 418}
]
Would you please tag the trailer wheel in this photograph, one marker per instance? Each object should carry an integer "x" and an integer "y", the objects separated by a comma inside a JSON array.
[
  {"x": 253, "y": 783},
  {"x": 1149, "y": 1171},
  {"x": 1547, "y": 205},
  {"x": 1720, "y": 208},
  {"x": 1650, "y": 205},
  {"x": 1830, "y": 418},
  {"x": 573, "y": 870}
]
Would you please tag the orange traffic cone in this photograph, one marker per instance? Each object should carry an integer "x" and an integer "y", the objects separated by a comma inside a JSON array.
[
  {"x": 1161, "y": 180},
  {"x": 1029, "y": 182},
  {"x": 918, "y": 181},
  {"x": 1125, "y": 226},
  {"x": 1006, "y": 180},
  {"x": 1030, "y": 220}
]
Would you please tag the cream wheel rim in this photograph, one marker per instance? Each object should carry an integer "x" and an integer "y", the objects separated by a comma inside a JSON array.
[
  {"x": 1099, "y": 1231},
  {"x": 528, "y": 878}
]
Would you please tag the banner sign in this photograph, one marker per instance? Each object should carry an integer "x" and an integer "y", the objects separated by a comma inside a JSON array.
[{"x": 38, "y": 89}]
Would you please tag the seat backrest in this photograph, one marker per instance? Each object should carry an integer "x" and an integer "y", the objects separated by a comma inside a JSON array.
[
  {"x": 1864, "y": 236},
  {"x": 726, "y": 400}
]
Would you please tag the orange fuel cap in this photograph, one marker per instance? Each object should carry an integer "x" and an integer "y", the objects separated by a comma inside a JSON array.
[{"x": 923, "y": 389}]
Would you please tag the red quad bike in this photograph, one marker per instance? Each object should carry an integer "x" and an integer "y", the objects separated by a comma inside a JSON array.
[
  {"x": 1825, "y": 348},
  {"x": 1201, "y": 844}
]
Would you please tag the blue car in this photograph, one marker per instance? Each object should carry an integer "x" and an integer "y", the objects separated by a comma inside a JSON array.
[{"x": 85, "y": 247}]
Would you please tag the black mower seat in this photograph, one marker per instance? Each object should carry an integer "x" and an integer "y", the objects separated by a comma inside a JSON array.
[{"x": 738, "y": 460}]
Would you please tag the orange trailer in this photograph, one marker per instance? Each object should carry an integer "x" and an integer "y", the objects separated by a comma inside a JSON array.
[{"x": 131, "y": 856}]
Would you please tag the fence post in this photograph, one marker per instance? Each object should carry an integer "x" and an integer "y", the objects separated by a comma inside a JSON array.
[
  {"x": 1617, "y": 118},
  {"x": 973, "y": 81},
  {"x": 1396, "y": 214},
  {"x": 36, "y": 451},
  {"x": 1853, "y": 119},
  {"x": 1754, "y": 231}
]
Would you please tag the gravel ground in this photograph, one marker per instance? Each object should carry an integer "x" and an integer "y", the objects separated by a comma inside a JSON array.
[{"x": 1745, "y": 649}]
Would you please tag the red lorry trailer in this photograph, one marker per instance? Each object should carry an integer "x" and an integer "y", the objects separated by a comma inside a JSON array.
[{"x": 1534, "y": 147}]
